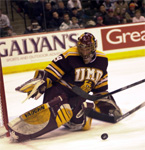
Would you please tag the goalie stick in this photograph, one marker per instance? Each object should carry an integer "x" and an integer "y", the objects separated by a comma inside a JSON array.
[
  {"x": 103, "y": 117},
  {"x": 99, "y": 116},
  {"x": 92, "y": 113},
  {"x": 85, "y": 95}
]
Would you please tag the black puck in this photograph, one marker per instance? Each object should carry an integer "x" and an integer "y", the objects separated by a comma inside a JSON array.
[{"x": 104, "y": 136}]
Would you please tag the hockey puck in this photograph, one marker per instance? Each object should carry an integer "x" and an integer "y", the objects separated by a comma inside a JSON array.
[{"x": 104, "y": 136}]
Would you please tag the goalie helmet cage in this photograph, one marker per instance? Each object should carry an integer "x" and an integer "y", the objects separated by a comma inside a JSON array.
[{"x": 3, "y": 105}]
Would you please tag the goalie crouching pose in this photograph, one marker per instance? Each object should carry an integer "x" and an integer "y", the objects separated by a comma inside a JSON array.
[{"x": 81, "y": 65}]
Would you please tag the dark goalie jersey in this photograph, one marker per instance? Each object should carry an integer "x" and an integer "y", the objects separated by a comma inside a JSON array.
[{"x": 70, "y": 67}]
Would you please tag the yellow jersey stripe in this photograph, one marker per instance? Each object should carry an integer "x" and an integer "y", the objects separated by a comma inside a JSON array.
[
  {"x": 71, "y": 54},
  {"x": 57, "y": 68},
  {"x": 101, "y": 85},
  {"x": 105, "y": 76},
  {"x": 101, "y": 54},
  {"x": 53, "y": 73}
]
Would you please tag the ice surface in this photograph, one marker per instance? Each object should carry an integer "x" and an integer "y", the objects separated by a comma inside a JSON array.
[{"x": 128, "y": 134}]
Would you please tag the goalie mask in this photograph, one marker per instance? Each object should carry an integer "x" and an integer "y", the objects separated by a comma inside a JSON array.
[{"x": 87, "y": 47}]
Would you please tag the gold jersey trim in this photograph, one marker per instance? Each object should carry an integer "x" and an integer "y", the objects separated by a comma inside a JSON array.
[
  {"x": 57, "y": 68},
  {"x": 74, "y": 52},
  {"x": 100, "y": 54},
  {"x": 53, "y": 73},
  {"x": 71, "y": 52},
  {"x": 101, "y": 85}
]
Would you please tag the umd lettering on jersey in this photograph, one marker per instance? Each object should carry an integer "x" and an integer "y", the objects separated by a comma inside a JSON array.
[{"x": 84, "y": 73}]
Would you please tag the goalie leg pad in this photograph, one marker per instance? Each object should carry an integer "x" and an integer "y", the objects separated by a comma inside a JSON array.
[
  {"x": 80, "y": 121},
  {"x": 62, "y": 112},
  {"x": 41, "y": 119},
  {"x": 88, "y": 120},
  {"x": 87, "y": 124}
]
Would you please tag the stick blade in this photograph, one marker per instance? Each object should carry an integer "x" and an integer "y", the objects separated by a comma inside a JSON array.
[{"x": 99, "y": 116}]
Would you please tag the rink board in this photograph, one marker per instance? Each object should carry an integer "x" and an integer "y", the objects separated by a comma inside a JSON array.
[{"x": 35, "y": 51}]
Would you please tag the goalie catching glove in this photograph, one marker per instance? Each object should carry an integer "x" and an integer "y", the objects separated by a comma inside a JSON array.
[{"x": 36, "y": 87}]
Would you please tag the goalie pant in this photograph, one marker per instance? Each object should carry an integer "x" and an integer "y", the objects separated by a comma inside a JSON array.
[{"x": 41, "y": 119}]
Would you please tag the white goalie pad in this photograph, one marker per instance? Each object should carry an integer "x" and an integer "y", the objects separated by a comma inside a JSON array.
[
  {"x": 3, "y": 131},
  {"x": 32, "y": 121}
]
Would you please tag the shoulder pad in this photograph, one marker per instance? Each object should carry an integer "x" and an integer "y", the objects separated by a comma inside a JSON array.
[
  {"x": 71, "y": 52},
  {"x": 100, "y": 54}
]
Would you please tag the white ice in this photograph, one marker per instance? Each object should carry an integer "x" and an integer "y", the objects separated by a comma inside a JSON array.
[{"x": 128, "y": 134}]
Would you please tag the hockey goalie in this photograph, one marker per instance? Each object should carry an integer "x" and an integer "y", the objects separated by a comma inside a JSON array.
[{"x": 82, "y": 65}]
